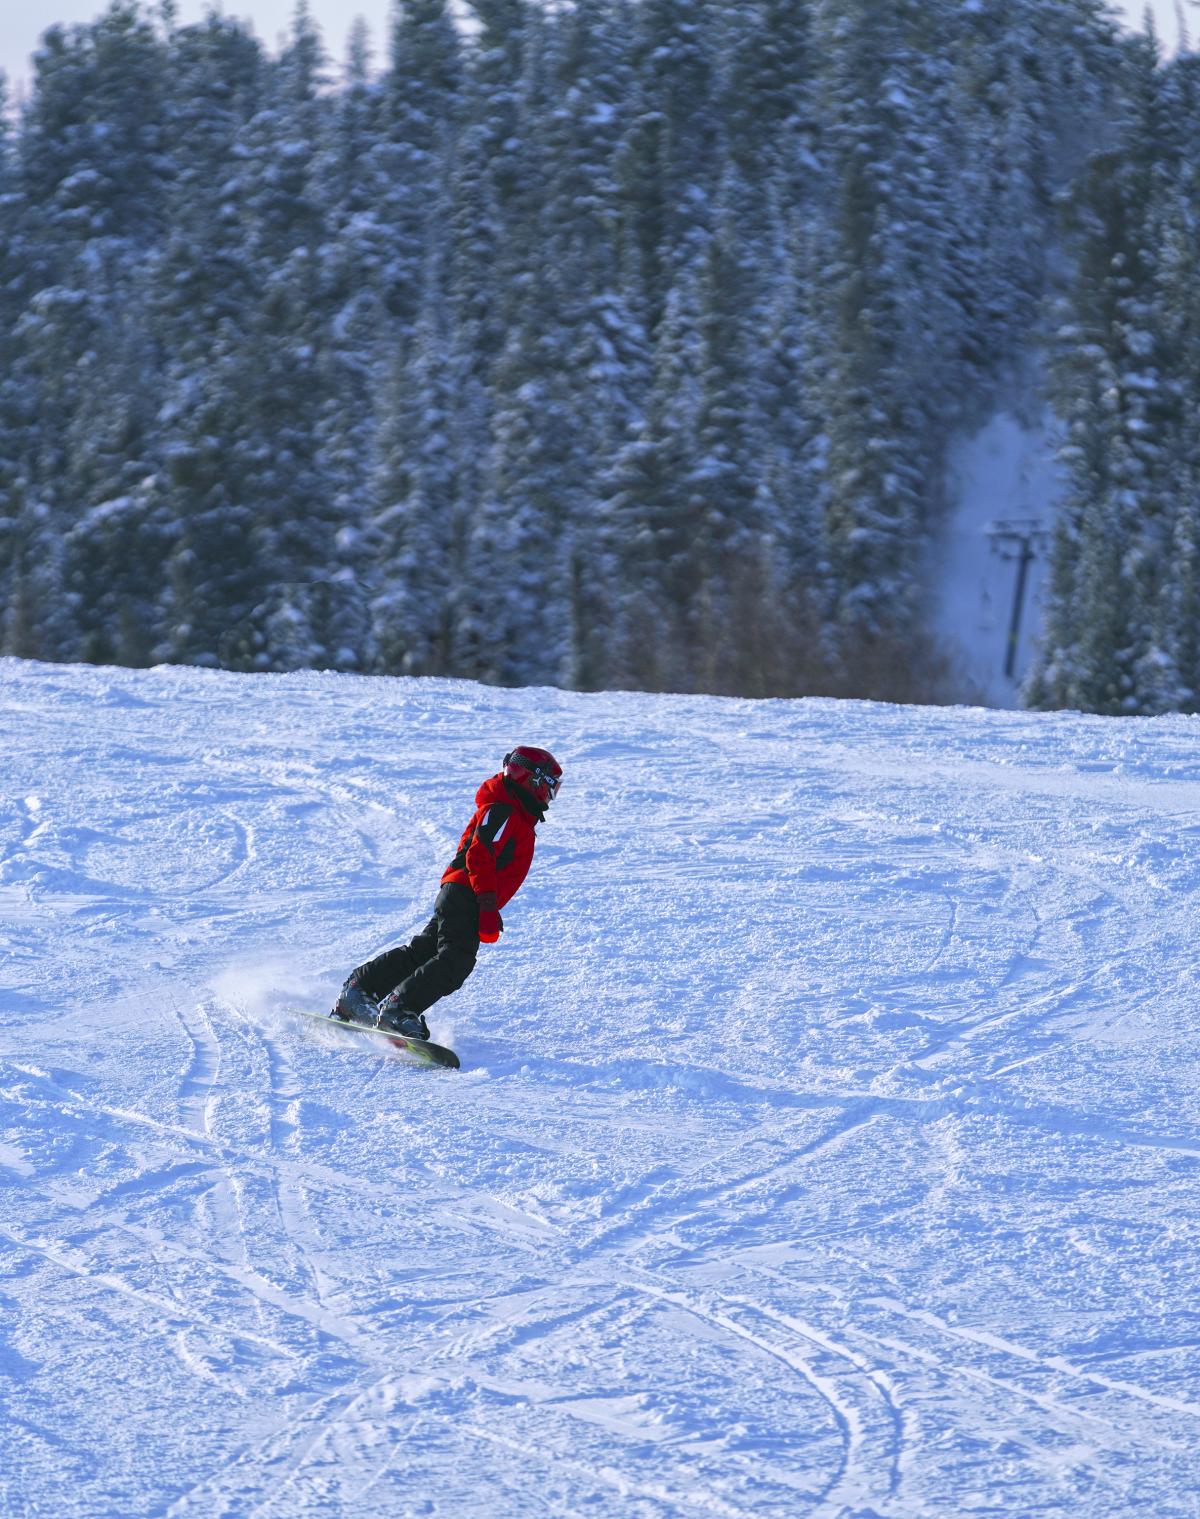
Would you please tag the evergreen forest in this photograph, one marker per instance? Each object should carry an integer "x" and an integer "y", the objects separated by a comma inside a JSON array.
[{"x": 606, "y": 344}]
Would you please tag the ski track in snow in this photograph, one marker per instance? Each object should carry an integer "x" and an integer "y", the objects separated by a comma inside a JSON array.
[{"x": 826, "y": 1142}]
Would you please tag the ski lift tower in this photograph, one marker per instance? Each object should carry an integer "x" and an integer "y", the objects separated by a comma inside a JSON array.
[{"x": 1019, "y": 539}]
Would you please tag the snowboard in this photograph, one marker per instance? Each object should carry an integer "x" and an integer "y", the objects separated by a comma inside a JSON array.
[{"x": 422, "y": 1049}]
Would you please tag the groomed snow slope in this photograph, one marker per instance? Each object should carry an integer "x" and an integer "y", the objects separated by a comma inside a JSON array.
[{"x": 826, "y": 1142}]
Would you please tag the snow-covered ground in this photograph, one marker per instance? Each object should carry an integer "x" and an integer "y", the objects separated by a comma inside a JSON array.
[{"x": 826, "y": 1142}]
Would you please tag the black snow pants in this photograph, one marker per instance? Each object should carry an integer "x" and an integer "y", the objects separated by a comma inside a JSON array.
[{"x": 436, "y": 962}]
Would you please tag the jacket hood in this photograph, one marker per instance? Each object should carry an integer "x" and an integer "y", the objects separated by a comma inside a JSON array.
[
  {"x": 497, "y": 789},
  {"x": 492, "y": 790}
]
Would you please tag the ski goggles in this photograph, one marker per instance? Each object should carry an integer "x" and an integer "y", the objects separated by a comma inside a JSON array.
[{"x": 544, "y": 778}]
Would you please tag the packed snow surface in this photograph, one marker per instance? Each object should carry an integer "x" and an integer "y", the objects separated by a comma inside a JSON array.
[{"x": 826, "y": 1141}]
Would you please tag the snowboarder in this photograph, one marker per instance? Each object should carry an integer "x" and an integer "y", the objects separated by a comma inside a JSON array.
[{"x": 393, "y": 990}]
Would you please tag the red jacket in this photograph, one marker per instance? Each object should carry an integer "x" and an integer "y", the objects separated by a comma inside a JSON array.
[{"x": 497, "y": 844}]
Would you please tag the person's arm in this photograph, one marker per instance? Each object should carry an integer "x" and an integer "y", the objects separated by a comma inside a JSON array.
[{"x": 489, "y": 834}]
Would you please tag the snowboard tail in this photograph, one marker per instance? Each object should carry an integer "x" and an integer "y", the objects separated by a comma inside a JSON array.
[{"x": 422, "y": 1049}]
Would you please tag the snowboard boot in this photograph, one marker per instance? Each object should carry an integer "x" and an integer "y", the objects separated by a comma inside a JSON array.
[
  {"x": 353, "y": 1005},
  {"x": 394, "y": 1018}
]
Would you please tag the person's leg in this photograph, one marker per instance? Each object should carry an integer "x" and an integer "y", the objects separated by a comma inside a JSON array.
[
  {"x": 368, "y": 984},
  {"x": 387, "y": 971},
  {"x": 456, "y": 924}
]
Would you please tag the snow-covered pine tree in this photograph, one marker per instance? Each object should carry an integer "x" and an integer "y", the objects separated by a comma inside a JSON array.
[
  {"x": 648, "y": 512},
  {"x": 1110, "y": 555},
  {"x": 275, "y": 358},
  {"x": 201, "y": 272},
  {"x": 1005, "y": 198},
  {"x": 1171, "y": 676},
  {"x": 94, "y": 173},
  {"x": 214, "y": 578},
  {"x": 766, "y": 74},
  {"x": 576, "y": 85},
  {"x": 667, "y": 165},
  {"x": 522, "y": 538},
  {"x": 419, "y": 105},
  {"x": 477, "y": 237},
  {"x": 888, "y": 325},
  {"x": 521, "y": 528},
  {"x": 785, "y": 618},
  {"x": 16, "y": 421},
  {"x": 202, "y": 292},
  {"x": 731, "y": 445},
  {"x": 351, "y": 184},
  {"x": 34, "y": 622},
  {"x": 418, "y": 534}
]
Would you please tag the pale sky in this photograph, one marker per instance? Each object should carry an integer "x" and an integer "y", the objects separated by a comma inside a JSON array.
[{"x": 23, "y": 21}]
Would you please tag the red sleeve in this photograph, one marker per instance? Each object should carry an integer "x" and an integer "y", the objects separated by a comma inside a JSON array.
[{"x": 481, "y": 851}]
